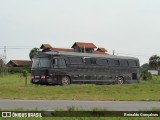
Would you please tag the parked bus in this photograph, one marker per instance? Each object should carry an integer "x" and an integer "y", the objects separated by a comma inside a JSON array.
[{"x": 83, "y": 68}]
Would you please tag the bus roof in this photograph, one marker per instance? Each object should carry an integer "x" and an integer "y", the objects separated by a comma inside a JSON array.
[{"x": 88, "y": 55}]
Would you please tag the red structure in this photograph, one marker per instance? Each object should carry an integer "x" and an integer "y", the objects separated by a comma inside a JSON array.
[{"x": 76, "y": 47}]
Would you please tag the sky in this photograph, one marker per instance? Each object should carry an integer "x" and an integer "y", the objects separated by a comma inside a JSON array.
[{"x": 129, "y": 27}]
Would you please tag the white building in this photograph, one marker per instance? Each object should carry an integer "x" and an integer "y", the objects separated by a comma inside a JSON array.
[{"x": 153, "y": 72}]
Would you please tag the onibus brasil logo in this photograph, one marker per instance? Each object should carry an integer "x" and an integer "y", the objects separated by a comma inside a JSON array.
[{"x": 21, "y": 114}]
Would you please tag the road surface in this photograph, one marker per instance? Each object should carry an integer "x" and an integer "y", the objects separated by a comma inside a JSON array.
[{"x": 86, "y": 105}]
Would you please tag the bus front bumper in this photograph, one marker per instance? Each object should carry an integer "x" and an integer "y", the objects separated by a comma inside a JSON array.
[{"x": 40, "y": 81}]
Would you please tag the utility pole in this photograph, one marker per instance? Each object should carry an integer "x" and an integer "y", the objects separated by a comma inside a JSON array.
[
  {"x": 84, "y": 49},
  {"x": 113, "y": 52},
  {"x": 5, "y": 56}
]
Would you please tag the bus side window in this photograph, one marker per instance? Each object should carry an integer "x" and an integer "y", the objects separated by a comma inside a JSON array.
[
  {"x": 133, "y": 63},
  {"x": 102, "y": 62},
  {"x": 55, "y": 63},
  {"x": 75, "y": 60},
  {"x": 93, "y": 60},
  {"x": 66, "y": 60},
  {"x": 116, "y": 62},
  {"x": 59, "y": 63},
  {"x": 62, "y": 63},
  {"x": 87, "y": 61},
  {"x": 124, "y": 63},
  {"x": 90, "y": 61}
]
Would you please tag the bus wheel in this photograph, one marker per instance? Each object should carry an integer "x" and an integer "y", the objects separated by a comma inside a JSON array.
[
  {"x": 120, "y": 80},
  {"x": 65, "y": 80}
]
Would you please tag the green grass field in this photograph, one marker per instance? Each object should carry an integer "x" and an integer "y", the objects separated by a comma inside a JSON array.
[{"x": 13, "y": 87}]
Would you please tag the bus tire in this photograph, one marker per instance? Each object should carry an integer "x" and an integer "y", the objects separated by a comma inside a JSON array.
[
  {"x": 120, "y": 80},
  {"x": 65, "y": 80}
]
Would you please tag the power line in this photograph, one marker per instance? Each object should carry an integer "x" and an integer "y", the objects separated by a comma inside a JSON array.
[
  {"x": 128, "y": 54},
  {"x": 134, "y": 55},
  {"x": 4, "y": 48},
  {"x": 16, "y": 48},
  {"x": 111, "y": 52}
]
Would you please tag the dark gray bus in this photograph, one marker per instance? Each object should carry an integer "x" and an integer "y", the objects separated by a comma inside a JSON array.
[{"x": 84, "y": 68}]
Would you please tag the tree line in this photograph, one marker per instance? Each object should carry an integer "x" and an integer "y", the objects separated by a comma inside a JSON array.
[{"x": 153, "y": 64}]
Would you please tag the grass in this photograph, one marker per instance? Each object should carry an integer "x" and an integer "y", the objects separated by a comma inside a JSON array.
[{"x": 13, "y": 87}]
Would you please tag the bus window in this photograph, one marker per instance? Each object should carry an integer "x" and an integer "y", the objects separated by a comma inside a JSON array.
[
  {"x": 41, "y": 62},
  {"x": 93, "y": 60},
  {"x": 62, "y": 63},
  {"x": 66, "y": 60},
  {"x": 124, "y": 62},
  {"x": 90, "y": 60},
  {"x": 116, "y": 62},
  {"x": 133, "y": 63},
  {"x": 87, "y": 61},
  {"x": 102, "y": 62},
  {"x": 55, "y": 63},
  {"x": 59, "y": 63},
  {"x": 75, "y": 60}
]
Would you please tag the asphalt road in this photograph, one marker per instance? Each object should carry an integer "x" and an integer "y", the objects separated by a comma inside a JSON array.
[{"x": 86, "y": 105}]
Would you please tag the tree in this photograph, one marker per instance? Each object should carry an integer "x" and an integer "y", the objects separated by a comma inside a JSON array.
[
  {"x": 33, "y": 52},
  {"x": 145, "y": 66},
  {"x": 145, "y": 75},
  {"x": 154, "y": 62}
]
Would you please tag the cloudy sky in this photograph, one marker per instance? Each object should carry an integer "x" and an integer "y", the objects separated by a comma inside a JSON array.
[{"x": 130, "y": 27}]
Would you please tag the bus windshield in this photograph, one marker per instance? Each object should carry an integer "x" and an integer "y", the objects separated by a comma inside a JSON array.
[{"x": 41, "y": 63}]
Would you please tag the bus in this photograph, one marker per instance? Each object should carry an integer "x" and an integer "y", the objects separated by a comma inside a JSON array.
[{"x": 66, "y": 68}]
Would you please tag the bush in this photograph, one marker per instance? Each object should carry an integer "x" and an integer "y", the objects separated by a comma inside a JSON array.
[
  {"x": 145, "y": 75},
  {"x": 13, "y": 70},
  {"x": 24, "y": 73}
]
